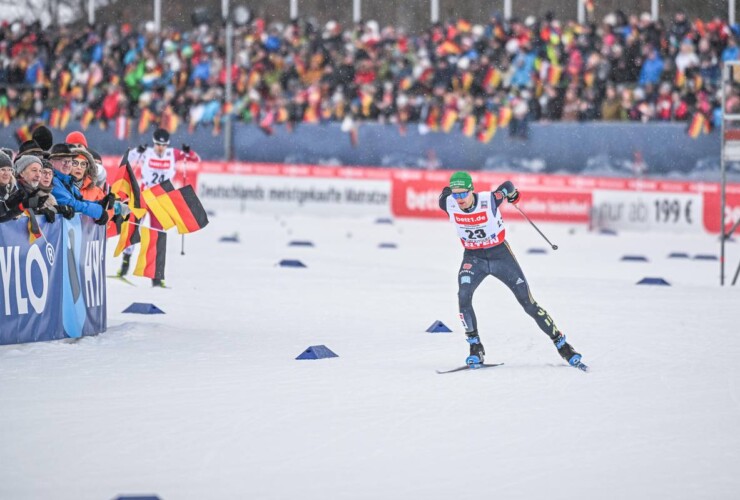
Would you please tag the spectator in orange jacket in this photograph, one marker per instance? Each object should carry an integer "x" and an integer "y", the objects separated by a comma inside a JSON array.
[{"x": 85, "y": 172}]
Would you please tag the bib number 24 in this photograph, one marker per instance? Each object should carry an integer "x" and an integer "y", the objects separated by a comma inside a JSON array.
[{"x": 158, "y": 178}]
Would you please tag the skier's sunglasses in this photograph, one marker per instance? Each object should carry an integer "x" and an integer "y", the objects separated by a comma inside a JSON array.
[{"x": 461, "y": 196}]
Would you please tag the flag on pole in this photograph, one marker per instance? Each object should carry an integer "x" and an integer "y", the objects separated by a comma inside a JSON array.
[
  {"x": 124, "y": 185},
  {"x": 152, "y": 253},
  {"x": 129, "y": 236},
  {"x": 155, "y": 207},
  {"x": 182, "y": 206}
]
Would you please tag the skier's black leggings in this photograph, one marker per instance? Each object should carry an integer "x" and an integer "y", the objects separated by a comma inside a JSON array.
[{"x": 498, "y": 261}]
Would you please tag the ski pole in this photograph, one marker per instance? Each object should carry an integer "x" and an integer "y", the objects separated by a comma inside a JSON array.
[
  {"x": 184, "y": 183},
  {"x": 554, "y": 247}
]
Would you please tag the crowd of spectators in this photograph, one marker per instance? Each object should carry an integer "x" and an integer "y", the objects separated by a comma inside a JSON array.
[
  {"x": 624, "y": 67},
  {"x": 54, "y": 181}
]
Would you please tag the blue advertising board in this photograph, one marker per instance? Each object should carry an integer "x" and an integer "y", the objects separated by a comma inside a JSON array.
[{"x": 53, "y": 288}]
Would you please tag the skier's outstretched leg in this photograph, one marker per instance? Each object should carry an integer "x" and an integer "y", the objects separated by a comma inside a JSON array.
[{"x": 506, "y": 268}]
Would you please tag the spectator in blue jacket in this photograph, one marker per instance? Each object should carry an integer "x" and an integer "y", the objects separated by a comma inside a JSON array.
[
  {"x": 66, "y": 193},
  {"x": 652, "y": 68}
]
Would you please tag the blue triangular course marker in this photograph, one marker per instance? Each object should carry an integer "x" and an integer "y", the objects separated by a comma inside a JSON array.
[
  {"x": 383, "y": 220},
  {"x": 300, "y": 243},
  {"x": 143, "y": 308},
  {"x": 705, "y": 257},
  {"x": 234, "y": 238},
  {"x": 317, "y": 352},
  {"x": 610, "y": 232},
  {"x": 536, "y": 250},
  {"x": 678, "y": 255},
  {"x": 634, "y": 258},
  {"x": 653, "y": 281},
  {"x": 291, "y": 263},
  {"x": 387, "y": 245},
  {"x": 438, "y": 327}
]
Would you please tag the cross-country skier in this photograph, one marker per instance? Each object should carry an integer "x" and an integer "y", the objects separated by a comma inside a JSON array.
[
  {"x": 482, "y": 233},
  {"x": 158, "y": 164}
]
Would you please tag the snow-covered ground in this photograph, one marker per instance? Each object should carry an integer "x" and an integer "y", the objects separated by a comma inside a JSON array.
[{"x": 208, "y": 401}]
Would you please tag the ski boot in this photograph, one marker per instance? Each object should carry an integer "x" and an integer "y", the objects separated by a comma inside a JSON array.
[
  {"x": 158, "y": 283},
  {"x": 124, "y": 266},
  {"x": 477, "y": 352},
  {"x": 569, "y": 354}
]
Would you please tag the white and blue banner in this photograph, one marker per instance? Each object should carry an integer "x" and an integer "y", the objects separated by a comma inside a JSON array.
[{"x": 53, "y": 288}]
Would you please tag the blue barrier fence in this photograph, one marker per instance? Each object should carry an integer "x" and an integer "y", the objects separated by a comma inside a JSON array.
[
  {"x": 53, "y": 288},
  {"x": 595, "y": 148}
]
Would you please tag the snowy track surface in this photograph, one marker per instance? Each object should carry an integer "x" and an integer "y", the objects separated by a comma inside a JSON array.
[{"x": 208, "y": 402}]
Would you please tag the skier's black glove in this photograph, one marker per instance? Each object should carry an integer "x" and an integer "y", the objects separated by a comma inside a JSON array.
[
  {"x": 66, "y": 211},
  {"x": 513, "y": 197},
  {"x": 186, "y": 148},
  {"x": 141, "y": 148},
  {"x": 443, "y": 197}
]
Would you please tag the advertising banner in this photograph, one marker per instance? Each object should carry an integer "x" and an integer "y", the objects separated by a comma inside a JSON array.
[
  {"x": 626, "y": 203},
  {"x": 31, "y": 276},
  {"x": 292, "y": 194},
  {"x": 53, "y": 288},
  {"x": 648, "y": 211}
]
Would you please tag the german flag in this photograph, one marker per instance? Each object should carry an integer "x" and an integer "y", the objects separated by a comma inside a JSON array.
[
  {"x": 282, "y": 115},
  {"x": 504, "y": 116},
  {"x": 113, "y": 228},
  {"x": 129, "y": 236},
  {"x": 145, "y": 120},
  {"x": 467, "y": 80},
  {"x": 152, "y": 254},
  {"x": 699, "y": 125},
  {"x": 34, "y": 231},
  {"x": 432, "y": 120},
  {"x": 554, "y": 72},
  {"x": 492, "y": 78},
  {"x": 64, "y": 80},
  {"x": 5, "y": 115},
  {"x": 124, "y": 185},
  {"x": 54, "y": 118},
  {"x": 23, "y": 134},
  {"x": 406, "y": 83},
  {"x": 449, "y": 117},
  {"x": 64, "y": 117},
  {"x": 311, "y": 115},
  {"x": 589, "y": 78},
  {"x": 680, "y": 79},
  {"x": 182, "y": 205},
  {"x": 490, "y": 126},
  {"x": 169, "y": 121},
  {"x": 87, "y": 118},
  {"x": 151, "y": 200},
  {"x": 366, "y": 100},
  {"x": 468, "y": 126}
]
